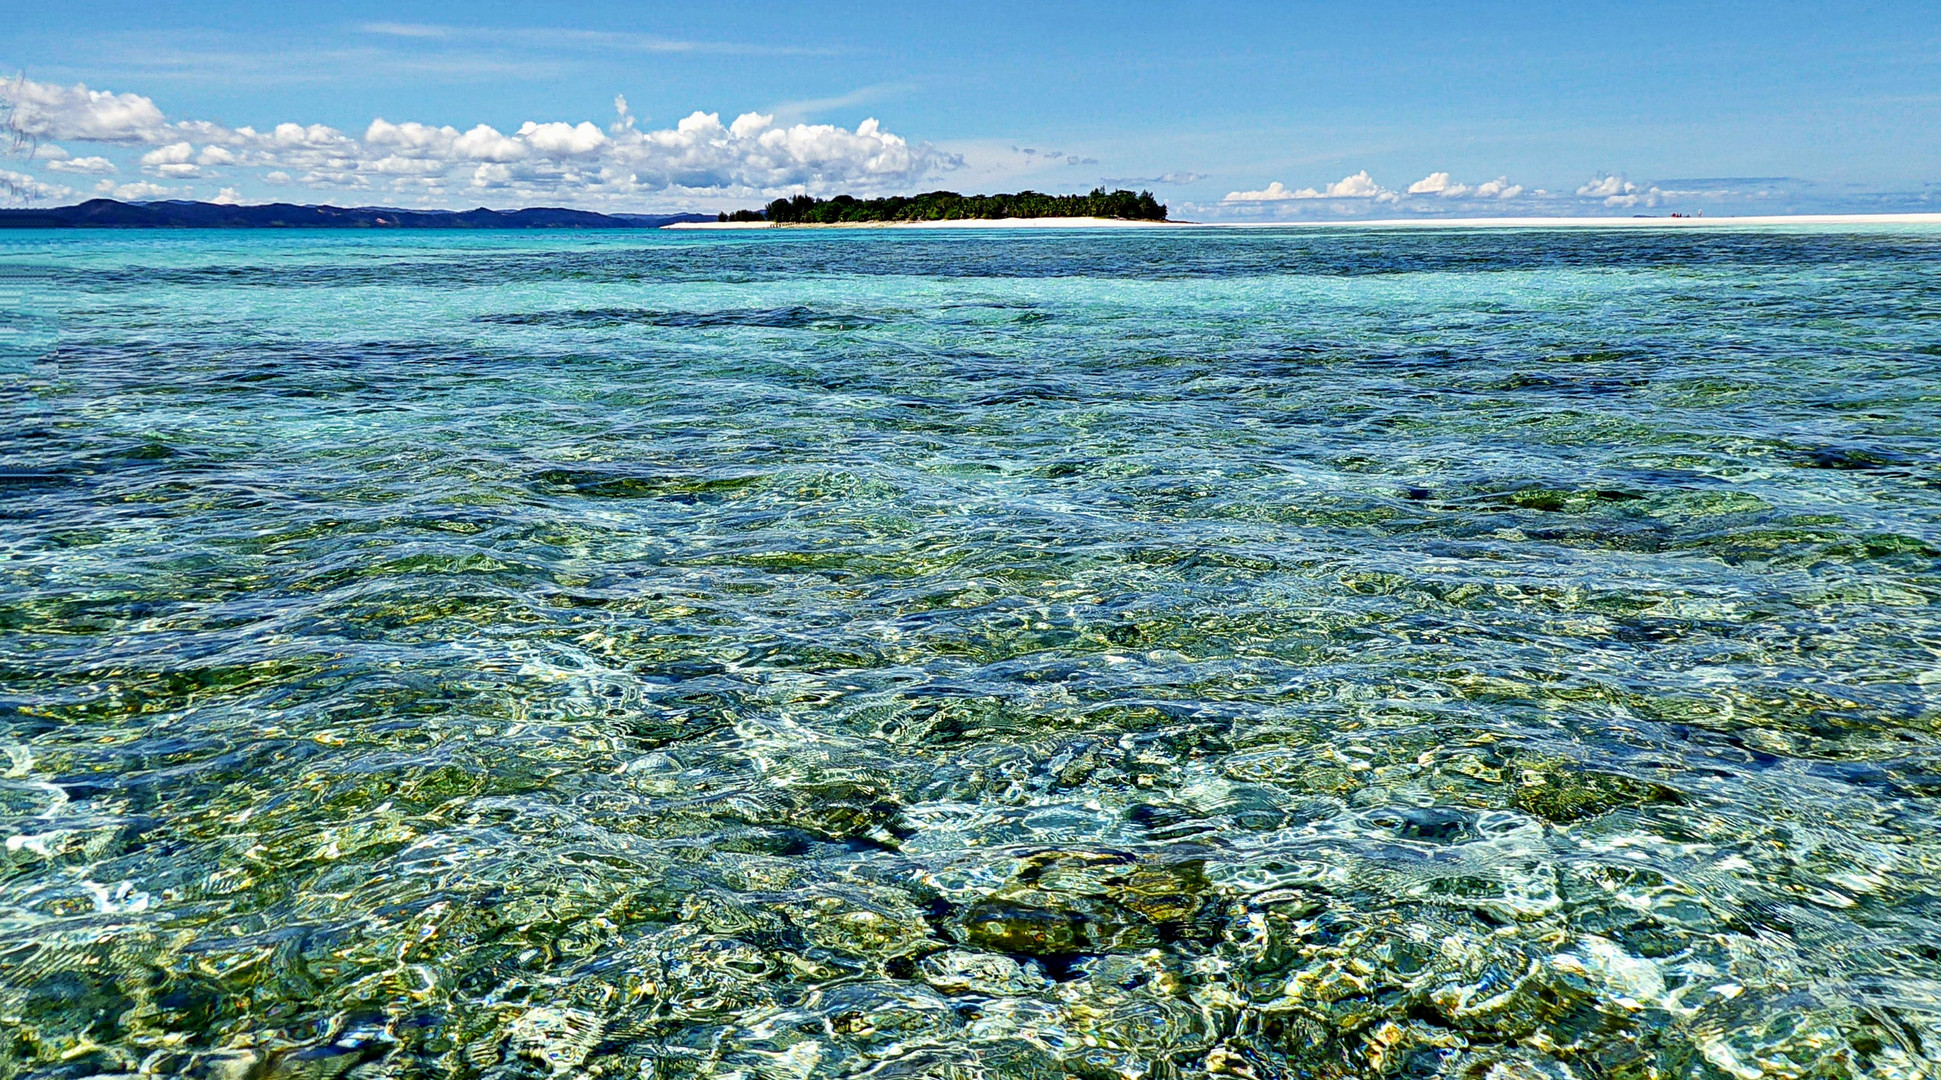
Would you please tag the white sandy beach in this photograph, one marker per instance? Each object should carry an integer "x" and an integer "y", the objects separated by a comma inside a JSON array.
[
  {"x": 968, "y": 223},
  {"x": 1381, "y": 223}
]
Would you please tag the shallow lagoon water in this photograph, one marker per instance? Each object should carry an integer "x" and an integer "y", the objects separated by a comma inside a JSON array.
[{"x": 1259, "y": 654}]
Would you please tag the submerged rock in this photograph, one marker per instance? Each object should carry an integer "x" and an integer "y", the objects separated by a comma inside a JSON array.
[
  {"x": 1061, "y": 903},
  {"x": 1028, "y": 931},
  {"x": 1563, "y": 792},
  {"x": 957, "y": 971},
  {"x": 842, "y": 809}
]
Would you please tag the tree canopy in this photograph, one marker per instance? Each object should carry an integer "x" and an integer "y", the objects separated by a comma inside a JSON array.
[{"x": 950, "y": 206}]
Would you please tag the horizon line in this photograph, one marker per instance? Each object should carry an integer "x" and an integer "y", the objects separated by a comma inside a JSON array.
[{"x": 1504, "y": 221}]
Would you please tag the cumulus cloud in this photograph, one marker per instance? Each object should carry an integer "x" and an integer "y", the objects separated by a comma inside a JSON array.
[
  {"x": 1616, "y": 191},
  {"x": 83, "y": 166},
  {"x": 484, "y": 143},
  {"x": 1274, "y": 192},
  {"x": 425, "y": 142},
  {"x": 410, "y": 136},
  {"x": 44, "y": 111},
  {"x": 1362, "y": 186},
  {"x": 173, "y": 161},
  {"x": 19, "y": 187},
  {"x": 137, "y": 191},
  {"x": 228, "y": 196},
  {"x": 1602, "y": 186},
  {"x": 563, "y": 140},
  {"x": 750, "y": 156},
  {"x": 1358, "y": 186},
  {"x": 1438, "y": 183}
]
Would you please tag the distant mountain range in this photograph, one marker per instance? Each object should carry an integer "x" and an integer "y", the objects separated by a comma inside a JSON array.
[{"x": 178, "y": 214}]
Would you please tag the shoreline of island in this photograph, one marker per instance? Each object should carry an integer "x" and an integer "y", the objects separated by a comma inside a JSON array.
[
  {"x": 1373, "y": 223},
  {"x": 949, "y": 223}
]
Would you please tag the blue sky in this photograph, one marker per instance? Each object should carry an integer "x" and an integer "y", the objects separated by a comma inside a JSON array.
[{"x": 1234, "y": 111}]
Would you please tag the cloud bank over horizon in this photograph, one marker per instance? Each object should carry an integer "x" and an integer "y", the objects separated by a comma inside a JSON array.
[
  {"x": 1440, "y": 193},
  {"x": 1361, "y": 187},
  {"x": 67, "y": 142},
  {"x": 581, "y": 163}
]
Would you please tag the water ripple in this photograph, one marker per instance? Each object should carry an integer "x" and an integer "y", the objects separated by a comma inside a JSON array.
[{"x": 1249, "y": 653}]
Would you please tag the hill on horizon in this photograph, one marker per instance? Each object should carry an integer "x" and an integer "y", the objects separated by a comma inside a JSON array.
[{"x": 186, "y": 214}]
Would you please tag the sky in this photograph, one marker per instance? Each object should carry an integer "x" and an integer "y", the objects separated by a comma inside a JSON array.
[{"x": 1236, "y": 111}]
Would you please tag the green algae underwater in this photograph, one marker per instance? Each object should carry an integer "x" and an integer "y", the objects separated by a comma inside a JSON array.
[{"x": 1269, "y": 654}]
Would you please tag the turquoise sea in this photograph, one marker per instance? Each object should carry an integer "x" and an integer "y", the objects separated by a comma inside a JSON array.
[{"x": 1240, "y": 653}]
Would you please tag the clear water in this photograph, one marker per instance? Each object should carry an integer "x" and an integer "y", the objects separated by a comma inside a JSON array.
[{"x": 1256, "y": 654}]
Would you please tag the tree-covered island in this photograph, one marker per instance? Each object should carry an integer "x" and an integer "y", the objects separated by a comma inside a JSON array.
[{"x": 950, "y": 206}]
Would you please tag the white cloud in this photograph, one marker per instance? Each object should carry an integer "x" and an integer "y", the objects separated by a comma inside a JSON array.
[
  {"x": 1599, "y": 187},
  {"x": 1616, "y": 191},
  {"x": 45, "y": 111},
  {"x": 19, "y": 187},
  {"x": 484, "y": 143},
  {"x": 1438, "y": 183},
  {"x": 1363, "y": 186},
  {"x": 751, "y": 157},
  {"x": 1499, "y": 188},
  {"x": 83, "y": 166},
  {"x": 172, "y": 161},
  {"x": 228, "y": 196},
  {"x": 403, "y": 165},
  {"x": 312, "y": 137},
  {"x": 1274, "y": 192},
  {"x": 624, "y": 119},
  {"x": 172, "y": 154},
  {"x": 410, "y": 136},
  {"x": 1357, "y": 186},
  {"x": 560, "y": 139},
  {"x": 139, "y": 190}
]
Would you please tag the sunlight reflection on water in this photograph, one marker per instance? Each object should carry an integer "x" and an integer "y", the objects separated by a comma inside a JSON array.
[{"x": 1257, "y": 654}]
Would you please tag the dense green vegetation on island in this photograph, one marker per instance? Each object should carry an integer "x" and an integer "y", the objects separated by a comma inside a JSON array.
[{"x": 950, "y": 206}]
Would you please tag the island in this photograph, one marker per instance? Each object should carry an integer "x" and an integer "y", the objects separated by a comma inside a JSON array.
[{"x": 950, "y": 206}]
